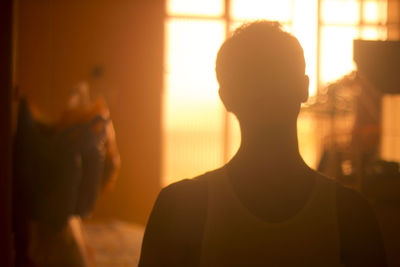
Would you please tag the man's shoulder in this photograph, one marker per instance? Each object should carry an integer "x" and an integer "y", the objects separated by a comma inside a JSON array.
[
  {"x": 348, "y": 199},
  {"x": 354, "y": 210},
  {"x": 348, "y": 196},
  {"x": 187, "y": 194},
  {"x": 360, "y": 237},
  {"x": 361, "y": 240},
  {"x": 191, "y": 187}
]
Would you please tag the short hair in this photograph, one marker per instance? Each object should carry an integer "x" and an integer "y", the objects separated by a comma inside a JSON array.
[{"x": 259, "y": 51}]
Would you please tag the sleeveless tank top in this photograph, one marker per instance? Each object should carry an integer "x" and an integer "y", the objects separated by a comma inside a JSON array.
[{"x": 233, "y": 236}]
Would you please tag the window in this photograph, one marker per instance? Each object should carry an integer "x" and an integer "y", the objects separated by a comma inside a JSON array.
[{"x": 198, "y": 133}]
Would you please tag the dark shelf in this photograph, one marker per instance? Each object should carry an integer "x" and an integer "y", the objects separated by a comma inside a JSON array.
[{"x": 379, "y": 62}]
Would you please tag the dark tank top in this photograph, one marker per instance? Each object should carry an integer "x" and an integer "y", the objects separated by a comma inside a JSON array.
[{"x": 234, "y": 236}]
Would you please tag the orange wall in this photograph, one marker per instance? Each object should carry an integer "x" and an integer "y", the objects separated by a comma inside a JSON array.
[
  {"x": 393, "y": 19},
  {"x": 61, "y": 41}
]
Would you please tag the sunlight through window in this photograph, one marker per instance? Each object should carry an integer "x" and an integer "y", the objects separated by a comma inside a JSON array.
[
  {"x": 193, "y": 114},
  {"x": 261, "y": 9},
  {"x": 337, "y": 51},
  {"x": 340, "y": 12},
  {"x": 195, "y": 7}
]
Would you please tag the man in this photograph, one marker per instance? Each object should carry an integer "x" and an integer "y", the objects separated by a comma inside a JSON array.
[{"x": 266, "y": 206}]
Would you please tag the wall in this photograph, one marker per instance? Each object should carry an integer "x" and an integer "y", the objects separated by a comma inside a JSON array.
[{"x": 60, "y": 42}]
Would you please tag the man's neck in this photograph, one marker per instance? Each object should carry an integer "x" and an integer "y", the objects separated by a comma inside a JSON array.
[{"x": 268, "y": 152}]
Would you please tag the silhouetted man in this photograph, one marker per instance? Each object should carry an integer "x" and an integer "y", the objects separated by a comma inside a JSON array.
[{"x": 266, "y": 206}]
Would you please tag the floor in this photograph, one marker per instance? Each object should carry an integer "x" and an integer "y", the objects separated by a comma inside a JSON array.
[{"x": 114, "y": 244}]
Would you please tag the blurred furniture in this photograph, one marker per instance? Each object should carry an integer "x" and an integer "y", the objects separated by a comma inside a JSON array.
[{"x": 379, "y": 62}]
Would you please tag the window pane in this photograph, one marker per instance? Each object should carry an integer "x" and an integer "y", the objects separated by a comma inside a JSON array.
[
  {"x": 305, "y": 29},
  {"x": 373, "y": 33},
  {"x": 340, "y": 11},
  {"x": 337, "y": 51},
  {"x": 261, "y": 9},
  {"x": 195, "y": 7},
  {"x": 374, "y": 11},
  {"x": 193, "y": 114}
]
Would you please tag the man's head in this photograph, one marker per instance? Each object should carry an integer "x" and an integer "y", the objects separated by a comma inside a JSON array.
[{"x": 261, "y": 73}]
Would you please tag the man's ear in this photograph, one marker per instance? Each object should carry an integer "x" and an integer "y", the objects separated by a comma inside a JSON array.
[
  {"x": 304, "y": 89},
  {"x": 224, "y": 98}
]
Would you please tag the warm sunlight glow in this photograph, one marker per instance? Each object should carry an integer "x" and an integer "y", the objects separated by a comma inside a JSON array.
[
  {"x": 337, "y": 52},
  {"x": 373, "y": 33},
  {"x": 370, "y": 14},
  {"x": 191, "y": 82},
  {"x": 375, "y": 11},
  {"x": 198, "y": 134},
  {"x": 193, "y": 114},
  {"x": 195, "y": 7},
  {"x": 340, "y": 12},
  {"x": 305, "y": 29},
  {"x": 261, "y": 9}
]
